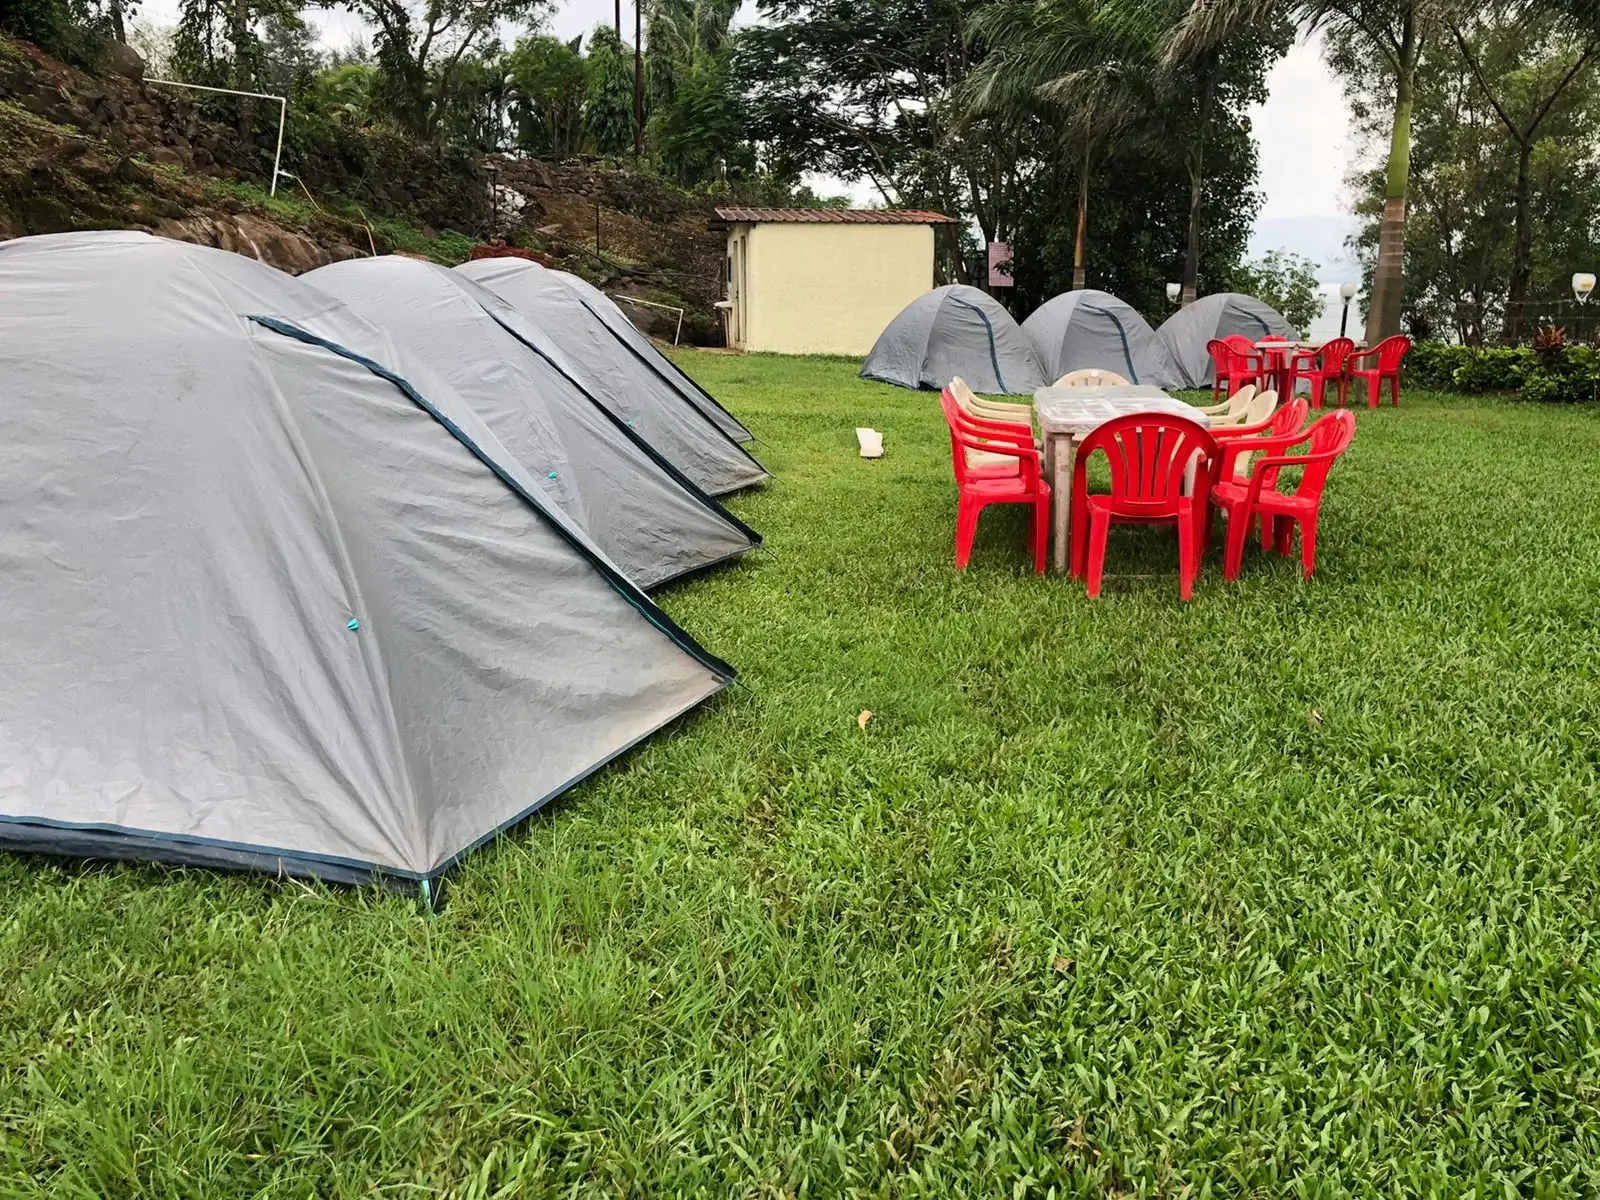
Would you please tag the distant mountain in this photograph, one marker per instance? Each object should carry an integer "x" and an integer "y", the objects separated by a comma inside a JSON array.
[{"x": 1319, "y": 238}]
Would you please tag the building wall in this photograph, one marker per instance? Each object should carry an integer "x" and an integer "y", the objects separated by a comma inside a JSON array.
[{"x": 828, "y": 289}]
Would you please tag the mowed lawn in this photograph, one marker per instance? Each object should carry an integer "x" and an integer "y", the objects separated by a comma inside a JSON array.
[{"x": 1291, "y": 890}]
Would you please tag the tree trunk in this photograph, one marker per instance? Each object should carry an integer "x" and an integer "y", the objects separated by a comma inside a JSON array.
[
  {"x": 619, "y": 20},
  {"x": 118, "y": 28},
  {"x": 638, "y": 78},
  {"x": 1197, "y": 183},
  {"x": 1522, "y": 255},
  {"x": 1389, "y": 280},
  {"x": 1080, "y": 251}
]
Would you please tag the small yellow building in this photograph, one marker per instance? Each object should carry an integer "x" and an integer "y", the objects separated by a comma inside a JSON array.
[{"x": 822, "y": 280}]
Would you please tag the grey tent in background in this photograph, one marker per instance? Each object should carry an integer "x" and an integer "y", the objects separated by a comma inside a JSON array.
[
  {"x": 1187, "y": 331},
  {"x": 592, "y": 325},
  {"x": 1090, "y": 329},
  {"x": 271, "y": 603},
  {"x": 950, "y": 331},
  {"x": 653, "y": 521}
]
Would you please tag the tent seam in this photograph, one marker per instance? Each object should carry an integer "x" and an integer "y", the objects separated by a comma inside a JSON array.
[{"x": 629, "y": 592}]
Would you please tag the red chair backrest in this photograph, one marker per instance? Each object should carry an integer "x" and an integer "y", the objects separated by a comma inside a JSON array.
[
  {"x": 1289, "y": 418},
  {"x": 1240, "y": 344},
  {"x": 1149, "y": 453},
  {"x": 1221, "y": 355},
  {"x": 1333, "y": 354},
  {"x": 1390, "y": 351},
  {"x": 1329, "y": 438}
]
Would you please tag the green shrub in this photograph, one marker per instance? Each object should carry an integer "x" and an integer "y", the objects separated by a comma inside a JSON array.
[
  {"x": 1567, "y": 376},
  {"x": 1432, "y": 365},
  {"x": 1441, "y": 366},
  {"x": 1493, "y": 369}
]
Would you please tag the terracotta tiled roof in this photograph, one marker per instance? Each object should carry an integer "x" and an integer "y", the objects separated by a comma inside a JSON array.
[{"x": 835, "y": 216}]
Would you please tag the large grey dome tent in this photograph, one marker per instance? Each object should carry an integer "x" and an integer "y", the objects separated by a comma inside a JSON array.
[
  {"x": 588, "y": 325},
  {"x": 1187, "y": 331},
  {"x": 271, "y": 604},
  {"x": 653, "y": 521},
  {"x": 950, "y": 331},
  {"x": 1090, "y": 329}
]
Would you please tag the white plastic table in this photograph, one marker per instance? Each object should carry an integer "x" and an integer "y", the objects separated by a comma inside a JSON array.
[{"x": 1066, "y": 417}]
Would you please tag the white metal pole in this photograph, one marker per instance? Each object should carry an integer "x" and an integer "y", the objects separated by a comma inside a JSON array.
[{"x": 283, "y": 113}]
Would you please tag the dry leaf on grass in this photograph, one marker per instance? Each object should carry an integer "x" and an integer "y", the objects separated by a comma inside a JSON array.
[{"x": 866, "y": 715}]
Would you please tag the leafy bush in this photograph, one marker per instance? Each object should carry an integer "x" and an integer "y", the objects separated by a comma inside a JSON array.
[
  {"x": 1570, "y": 375},
  {"x": 1470, "y": 369}
]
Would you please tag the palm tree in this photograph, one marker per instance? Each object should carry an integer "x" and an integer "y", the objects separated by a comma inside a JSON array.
[
  {"x": 1084, "y": 65},
  {"x": 1395, "y": 31}
]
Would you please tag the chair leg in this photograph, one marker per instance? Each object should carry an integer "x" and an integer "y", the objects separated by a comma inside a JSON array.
[
  {"x": 966, "y": 530},
  {"x": 1342, "y": 390},
  {"x": 1188, "y": 554},
  {"x": 1099, "y": 527},
  {"x": 1316, "y": 390},
  {"x": 1041, "y": 533},
  {"x": 1239, "y": 522},
  {"x": 1078, "y": 531},
  {"x": 1394, "y": 387},
  {"x": 1283, "y": 535},
  {"x": 1308, "y": 544},
  {"x": 1374, "y": 391}
]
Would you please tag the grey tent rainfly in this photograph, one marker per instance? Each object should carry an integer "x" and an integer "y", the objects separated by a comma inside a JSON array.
[
  {"x": 1187, "y": 331},
  {"x": 653, "y": 521},
  {"x": 950, "y": 331},
  {"x": 1091, "y": 329},
  {"x": 588, "y": 325},
  {"x": 678, "y": 428},
  {"x": 276, "y": 597}
]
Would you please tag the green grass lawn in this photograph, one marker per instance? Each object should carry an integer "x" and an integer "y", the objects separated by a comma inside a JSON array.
[{"x": 1291, "y": 890}]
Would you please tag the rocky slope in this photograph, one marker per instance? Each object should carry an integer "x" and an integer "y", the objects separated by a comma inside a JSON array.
[{"x": 81, "y": 151}]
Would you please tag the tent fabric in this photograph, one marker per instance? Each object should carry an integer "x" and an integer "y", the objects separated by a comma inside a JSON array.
[
  {"x": 1187, "y": 331},
  {"x": 652, "y": 521},
  {"x": 951, "y": 331},
  {"x": 590, "y": 327},
  {"x": 276, "y": 597},
  {"x": 1088, "y": 329},
  {"x": 567, "y": 331}
]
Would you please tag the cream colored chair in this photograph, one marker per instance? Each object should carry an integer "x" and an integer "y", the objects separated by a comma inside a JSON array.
[
  {"x": 1234, "y": 404},
  {"x": 1091, "y": 377},
  {"x": 990, "y": 410},
  {"x": 1261, "y": 406}
]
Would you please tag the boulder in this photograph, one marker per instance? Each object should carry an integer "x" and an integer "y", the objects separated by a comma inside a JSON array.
[
  {"x": 124, "y": 60},
  {"x": 253, "y": 236}
]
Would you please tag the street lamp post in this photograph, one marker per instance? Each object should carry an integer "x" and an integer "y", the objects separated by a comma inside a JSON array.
[
  {"x": 1582, "y": 287},
  {"x": 1347, "y": 293}
]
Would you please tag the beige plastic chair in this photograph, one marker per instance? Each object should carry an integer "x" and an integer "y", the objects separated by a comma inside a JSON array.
[
  {"x": 1260, "y": 406},
  {"x": 1234, "y": 404},
  {"x": 990, "y": 410},
  {"x": 1091, "y": 377}
]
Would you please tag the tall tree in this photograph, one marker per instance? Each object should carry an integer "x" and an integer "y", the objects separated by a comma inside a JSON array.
[
  {"x": 1396, "y": 32},
  {"x": 1084, "y": 67},
  {"x": 548, "y": 78},
  {"x": 865, "y": 89},
  {"x": 608, "y": 95},
  {"x": 420, "y": 46},
  {"x": 1524, "y": 66}
]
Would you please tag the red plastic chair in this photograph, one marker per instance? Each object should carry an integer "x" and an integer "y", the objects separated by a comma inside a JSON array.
[
  {"x": 1149, "y": 454},
  {"x": 1232, "y": 367},
  {"x": 1258, "y": 497},
  {"x": 1320, "y": 367},
  {"x": 995, "y": 484},
  {"x": 1388, "y": 354}
]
